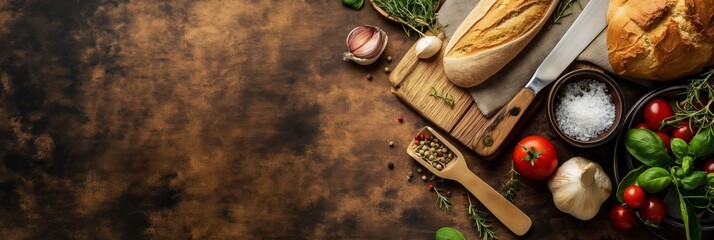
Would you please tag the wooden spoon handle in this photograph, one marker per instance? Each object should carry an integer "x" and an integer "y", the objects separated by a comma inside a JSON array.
[
  {"x": 512, "y": 217},
  {"x": 501, "y": 124}
]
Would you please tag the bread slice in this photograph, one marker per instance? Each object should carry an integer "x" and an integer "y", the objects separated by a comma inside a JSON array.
[{"x": 491, "y": 36}]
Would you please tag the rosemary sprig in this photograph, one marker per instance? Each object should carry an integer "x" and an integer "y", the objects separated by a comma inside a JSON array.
[
  {"x": 442, "y": 202},
  {"x": 564, "y": 9},
  {"x": 481, "y": 222},
  {"x": 510, "y": 187},
  {"x": 699, "y": 113},
  {"x": 448, "y": 99},
  {"x": 418, "y": 15}
]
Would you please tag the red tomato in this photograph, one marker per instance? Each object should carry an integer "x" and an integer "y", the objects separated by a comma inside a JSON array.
[
  {"x": 622, "y": 217},
  {"x": 665, "y": 139},
  {"x": 655, "y": 111},
  {"x": 642, "y": 125},
  {"x": 703, "y": 101},
  {"x": 634, "y": 196},
  {"x": 535, "y": 157},
  {"x": 708, "y": 166},
  {"x": 684, "y": 131},
  {"x": 653, "y": 210}
]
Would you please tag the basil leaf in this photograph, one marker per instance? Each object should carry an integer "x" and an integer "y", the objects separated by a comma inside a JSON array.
[
  {"x": 677, "y": 172},
  {"x": 679, "y": 147},
  {"x": 627, "y": 181},
  {"x": 654, "y": 179},
  {"x": 687, "y": 163},
  {"x": 702, "y": 144},
  {"x": 354, "y": 4},
  {"x": 647, "y": 147},
  {"x": 710, "y": 179},
  {"x": 691, "y": 222},
  {"x": 694, "y": 180}
]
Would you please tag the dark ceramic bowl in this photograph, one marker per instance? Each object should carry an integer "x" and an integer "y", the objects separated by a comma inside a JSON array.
[
  {"x": 624, "y": 162},
  {"x": 615, "y": 96}
]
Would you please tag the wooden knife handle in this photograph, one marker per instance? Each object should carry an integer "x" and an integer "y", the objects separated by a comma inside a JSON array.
[
  {"x": 513, "y": 218},
  {"x": 503, "y": 122}
]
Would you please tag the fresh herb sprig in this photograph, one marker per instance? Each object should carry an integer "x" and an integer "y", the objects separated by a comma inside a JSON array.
[
  {"x": 442, "y": 202},
  {"x": 448, "y": 99},
  {"x": 418, "y": 15},
  {"x": 481, "y": 222},
  {"x": 564, "y": 9},
  {"x": 694, "y": 107},
  {"x": 511, "y": 186}
]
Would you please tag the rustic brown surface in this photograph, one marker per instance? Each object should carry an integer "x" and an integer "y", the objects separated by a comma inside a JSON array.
[{"x": 224, "y": 120}]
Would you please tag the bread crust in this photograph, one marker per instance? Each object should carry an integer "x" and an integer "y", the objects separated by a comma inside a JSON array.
[
  {"x": 491, "y": 36},
  {"x": 660, "y": 39}
]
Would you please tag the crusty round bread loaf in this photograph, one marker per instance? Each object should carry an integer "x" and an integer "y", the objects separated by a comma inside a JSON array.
[{"x": 660, "y": 39}]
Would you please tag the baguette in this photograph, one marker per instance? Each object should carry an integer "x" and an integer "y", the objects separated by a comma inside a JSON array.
[{"x": 491, "y": 36}]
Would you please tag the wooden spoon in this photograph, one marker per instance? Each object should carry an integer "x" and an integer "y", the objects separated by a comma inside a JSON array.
[{"x": 517, "y": 221}]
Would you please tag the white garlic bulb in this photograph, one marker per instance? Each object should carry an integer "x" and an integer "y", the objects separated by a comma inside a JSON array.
[
  {"x": 579, "y": 188},
  {"x": 427, "y": 46}
]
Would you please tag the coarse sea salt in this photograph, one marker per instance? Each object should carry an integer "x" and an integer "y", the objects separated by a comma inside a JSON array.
[{"x": 585, "y": 109}]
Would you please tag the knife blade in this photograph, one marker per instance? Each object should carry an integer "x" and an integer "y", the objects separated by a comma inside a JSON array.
[{"x": 589, "y": 24}]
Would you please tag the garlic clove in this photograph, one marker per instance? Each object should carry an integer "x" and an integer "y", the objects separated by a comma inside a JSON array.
[
  {"x": 428, "y": 46},
  {"x": 362, "y": 56}
]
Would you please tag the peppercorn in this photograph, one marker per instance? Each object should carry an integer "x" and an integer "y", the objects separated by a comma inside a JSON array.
[
  {"x": 410, "y": 174},
  {"x": 386, "y": 69},
  {"x": 391, "y": 144},
  {"x": 369, "y": 77},
  {"x": 431, "y": 186},
  {"x": 448, "y": 194},
  {"x": 390, "y": 165},
  {"x": 423, "y": 177},
  {"x": 389, "y": 58},
  {"x": 419, "y": 170},
  {"x": 400, "y": 119}
]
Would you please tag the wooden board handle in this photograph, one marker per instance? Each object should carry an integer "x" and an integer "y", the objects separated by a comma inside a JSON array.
[
  {"x": 513, "y": 218},
  {"x": 503, "y": 122}
]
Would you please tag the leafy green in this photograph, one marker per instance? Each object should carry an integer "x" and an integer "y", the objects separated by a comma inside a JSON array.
[
  {"x": 679, "y": 147},
  {"x": 647, "y": 147},
  {"x": 448, "y": 233},
  {"x": 627, "y": 181},
  {"x": 691, "y": 222},
  {"x": 687, "y": 164},
  {"x": 354, "y": 4},
  {"x": 654, "y": 179},
  {"x": 702, "y": 144},
  {"x": 694, "y": 180}
]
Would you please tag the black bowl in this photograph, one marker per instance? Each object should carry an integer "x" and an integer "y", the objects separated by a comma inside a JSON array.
[{"x": 624, "y": 162}]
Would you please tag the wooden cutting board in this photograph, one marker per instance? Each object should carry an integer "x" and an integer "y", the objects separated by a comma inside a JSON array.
[{"x": 412, "y": 81}]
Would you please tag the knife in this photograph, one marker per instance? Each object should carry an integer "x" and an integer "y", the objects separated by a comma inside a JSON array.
[{"x": 590, "y": 22}]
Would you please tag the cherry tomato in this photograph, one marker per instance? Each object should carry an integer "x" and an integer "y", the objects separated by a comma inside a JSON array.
[
  {"x": 665, "y": 139},
  {"x": 703, "y": 101},
  {"x": 535, "y": 157},
  {"x": 684, "y": 131},
  {"x": 642, "y": 125},
  {"x": 708, "y": 166},
  {"x": 653, "y": 210},
  {"x": 622, "y": 217},
  {"x": 634, "y": 196},
  {"x": 655, "y": 111}
]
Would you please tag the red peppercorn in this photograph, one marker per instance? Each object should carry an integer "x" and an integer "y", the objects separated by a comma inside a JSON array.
[
  {"x": 431, "y": 186},
  {"x": 448, "y": 194},
  {"x": 400, "y": 119},
  {"x": 416, "y": 142}
]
